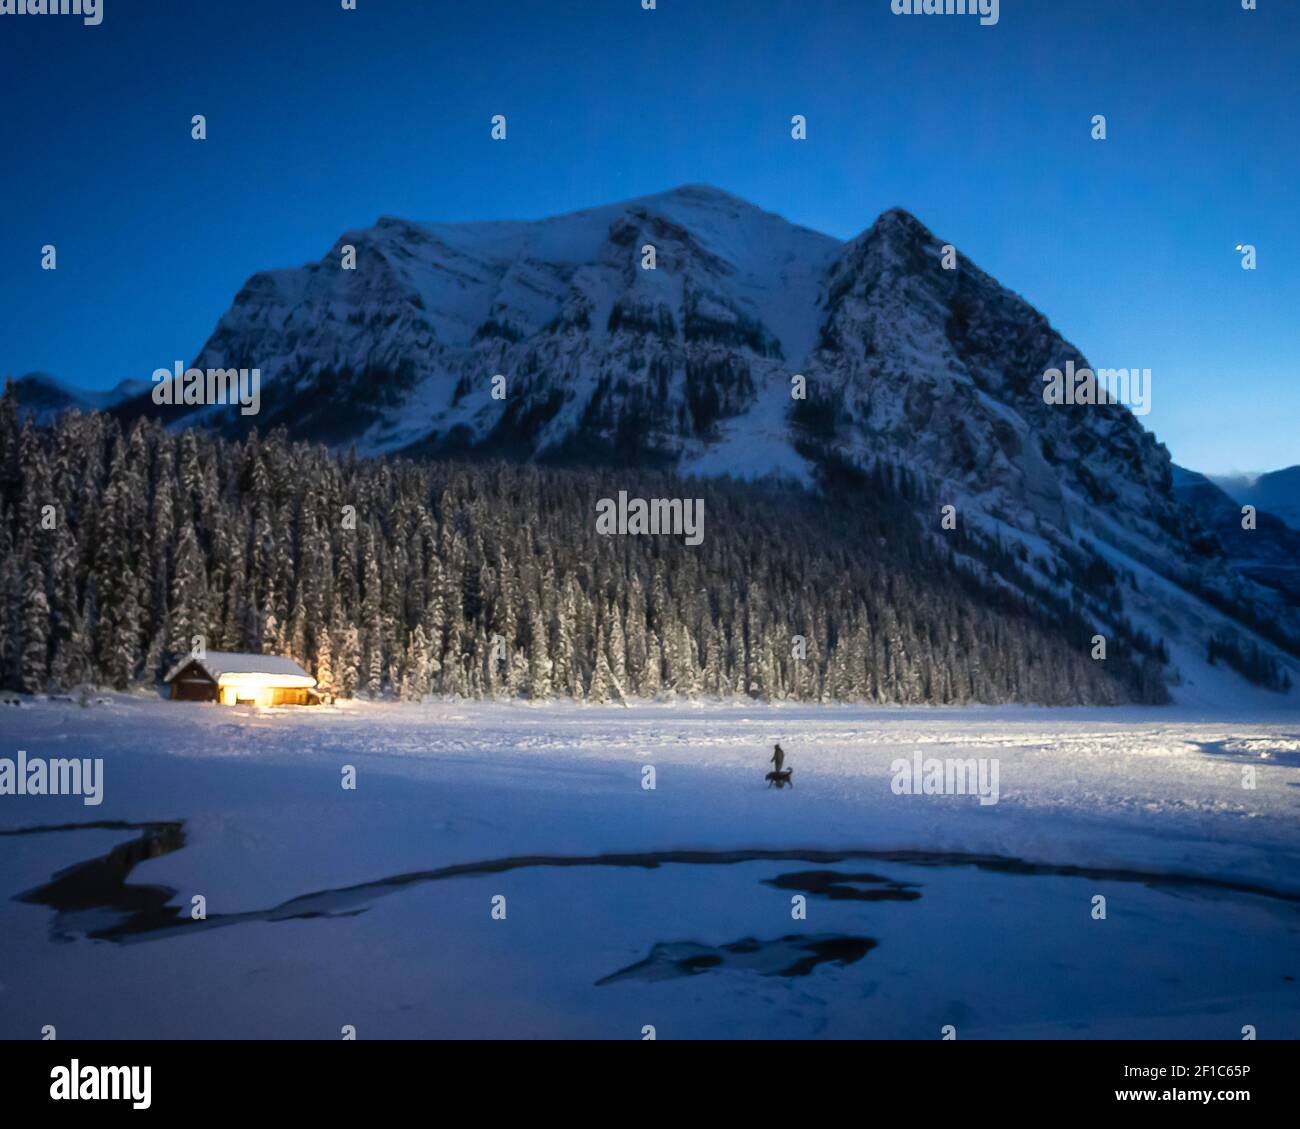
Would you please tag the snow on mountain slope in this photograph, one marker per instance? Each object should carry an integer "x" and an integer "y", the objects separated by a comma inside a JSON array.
[
  {"x": 690, "y": 365},
  {"x": 402, "y": 350}
]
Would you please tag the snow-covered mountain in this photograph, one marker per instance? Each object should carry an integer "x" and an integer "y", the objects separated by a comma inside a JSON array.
[{"x": 690, "y": 364}]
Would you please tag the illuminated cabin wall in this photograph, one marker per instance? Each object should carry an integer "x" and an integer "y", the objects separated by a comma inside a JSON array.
[
  {"x": 265, "y": 695},
  {"x": 194, "y": 684}
]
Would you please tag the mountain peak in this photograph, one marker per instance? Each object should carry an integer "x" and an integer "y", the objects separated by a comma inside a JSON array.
[
  {"x": 899, "y": 223},
  {"x": 704, "y": 192}
]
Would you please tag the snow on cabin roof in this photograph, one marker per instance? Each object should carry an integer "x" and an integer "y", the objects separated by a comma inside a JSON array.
[{"x": 233, "y": 666}]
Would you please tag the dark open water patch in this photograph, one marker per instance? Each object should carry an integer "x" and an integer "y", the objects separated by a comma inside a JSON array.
[
  {"x": 792, "y": 955},
  {"x": 94, "y": 898},
  {"x": 841, "y": 887}
]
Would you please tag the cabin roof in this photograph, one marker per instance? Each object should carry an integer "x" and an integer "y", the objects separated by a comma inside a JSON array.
[{"x": 233, "y": 666}]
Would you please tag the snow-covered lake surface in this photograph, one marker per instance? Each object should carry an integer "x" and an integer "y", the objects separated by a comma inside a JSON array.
[{"x": 671, "y": 907}]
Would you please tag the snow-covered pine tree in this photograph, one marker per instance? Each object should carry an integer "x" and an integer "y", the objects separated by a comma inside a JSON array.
[{"x": 35, "y": 669}]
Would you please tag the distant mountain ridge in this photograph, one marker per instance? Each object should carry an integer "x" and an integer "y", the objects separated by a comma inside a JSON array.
[
  {"x": 44, "y": 397},
  {"x": 1268, "y": 553},
  {"x": 1278, "y": 492}
]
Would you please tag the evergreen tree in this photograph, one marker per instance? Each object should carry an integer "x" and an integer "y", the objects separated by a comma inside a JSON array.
[{"x": 36, "y": 624}]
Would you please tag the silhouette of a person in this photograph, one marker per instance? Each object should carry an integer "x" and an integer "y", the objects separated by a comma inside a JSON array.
[{"x": 778, "y": 758}]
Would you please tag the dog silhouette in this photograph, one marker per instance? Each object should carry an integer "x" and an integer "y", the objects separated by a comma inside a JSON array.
[{"x": 781, "y": 778}]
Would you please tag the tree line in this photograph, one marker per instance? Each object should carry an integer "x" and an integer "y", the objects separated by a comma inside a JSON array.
[{"x": 120, "y": 545}]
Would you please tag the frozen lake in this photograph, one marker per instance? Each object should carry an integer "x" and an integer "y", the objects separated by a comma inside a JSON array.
[{"x": 706, "y": 906}]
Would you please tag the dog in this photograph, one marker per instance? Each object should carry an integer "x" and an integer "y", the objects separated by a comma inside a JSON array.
[{"x": 781, "y": 778}]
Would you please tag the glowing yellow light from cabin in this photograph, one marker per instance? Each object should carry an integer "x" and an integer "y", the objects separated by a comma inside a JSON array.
[{"x": 259, "y": 689}]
